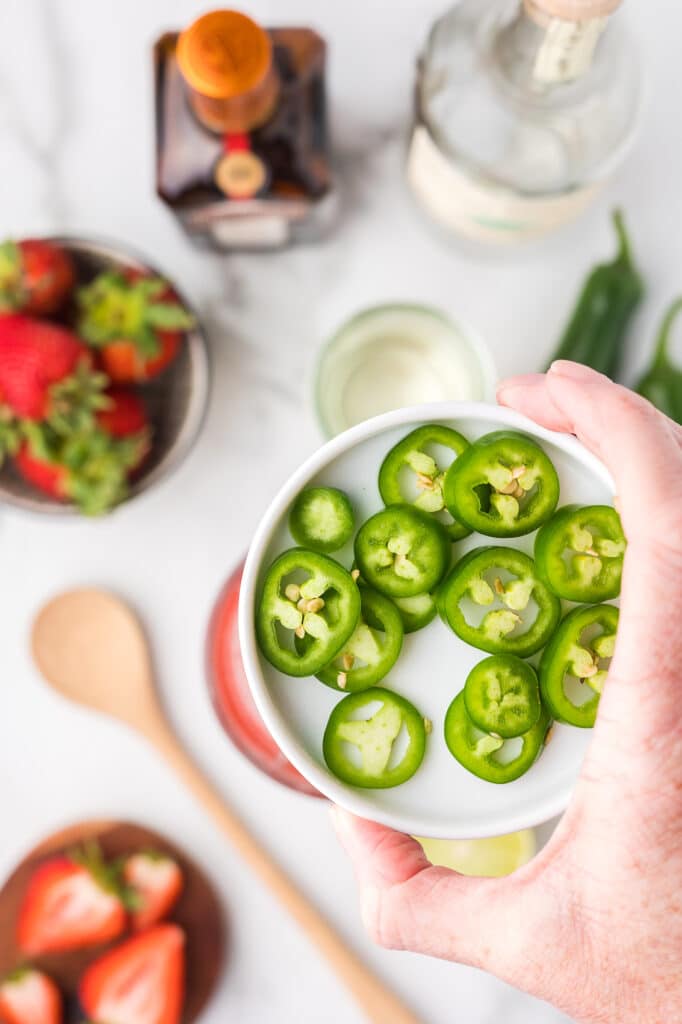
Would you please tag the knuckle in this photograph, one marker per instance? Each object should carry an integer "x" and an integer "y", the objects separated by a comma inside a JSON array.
[{"x": 380, "y": 919}]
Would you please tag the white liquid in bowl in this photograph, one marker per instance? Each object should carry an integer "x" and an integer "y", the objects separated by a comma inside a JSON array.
[{"x": 391, "y": 357}]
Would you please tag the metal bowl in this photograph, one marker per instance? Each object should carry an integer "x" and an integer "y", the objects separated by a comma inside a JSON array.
[{"x": 176, "y": 400}]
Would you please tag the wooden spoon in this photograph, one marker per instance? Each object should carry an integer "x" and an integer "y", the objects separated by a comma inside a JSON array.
[{"x": 91, "y": 648}]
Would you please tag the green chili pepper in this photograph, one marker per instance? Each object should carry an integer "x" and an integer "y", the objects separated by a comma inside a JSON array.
[
  {"x": 305, "y": 595},
  {"x": 575, "y": 663},
  {"x": 321, "y": 519},
  {"x": 503, "y": 485},
  {"x": 579, "y": 553},
  {"x": 494, "y": 600},
  {"x": 372, "y": 648},
  {"x": 371, "y": 724},
  {"x": 662, "y": 383},
  {"x": 502, "y": 696},
  {"x": 402, "y": 551},
  {"x": 414, "y": 472},
  {"x": 594, "y": 334},
  {"x": 491, "y": 757}
]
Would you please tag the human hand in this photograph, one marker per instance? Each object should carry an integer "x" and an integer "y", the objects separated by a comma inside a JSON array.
[{"x": 594, "y": 923}]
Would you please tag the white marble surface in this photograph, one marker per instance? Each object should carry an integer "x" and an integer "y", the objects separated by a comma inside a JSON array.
[{"x": 76, "y": 155}]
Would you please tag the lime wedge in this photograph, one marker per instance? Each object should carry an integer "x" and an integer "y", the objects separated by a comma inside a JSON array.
[{"x": 493, "y": 857}]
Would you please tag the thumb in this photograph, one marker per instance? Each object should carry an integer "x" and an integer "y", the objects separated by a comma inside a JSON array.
[{"x": 407, "y": 903}]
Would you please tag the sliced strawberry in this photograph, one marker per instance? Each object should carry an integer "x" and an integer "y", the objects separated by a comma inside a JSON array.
[
  {"x": 29, "y": 997},
  {"x": 36, "y": 277},
  {"x": 141, "y": 981},
  {"x": 135, "y": 320},
  {"x": 157, "y": 882},
  {"x": 90, "y": 468},
  {"x": 46, "y": 374},
  {"x": 71, "y": 903}
]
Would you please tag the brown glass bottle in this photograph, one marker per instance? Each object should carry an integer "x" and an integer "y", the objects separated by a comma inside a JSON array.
[{"x": 242, "y": 150}]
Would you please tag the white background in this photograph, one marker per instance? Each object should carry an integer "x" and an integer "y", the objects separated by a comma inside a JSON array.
[{"x": 76, "y": 155}]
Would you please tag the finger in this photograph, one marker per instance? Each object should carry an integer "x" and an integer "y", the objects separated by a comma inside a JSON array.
[
  {"x": 529, "y": 395},
  {"x": 635, "y": 442},
  {"x": 638, "y": 445},
  {"x": 407, "y": 903},
  {"x": 641, "y": 448}
]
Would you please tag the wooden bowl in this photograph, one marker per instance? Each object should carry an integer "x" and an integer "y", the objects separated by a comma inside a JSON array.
[
  {"x": 198, "y": 913},
  {"x": 176, "y": 400}
]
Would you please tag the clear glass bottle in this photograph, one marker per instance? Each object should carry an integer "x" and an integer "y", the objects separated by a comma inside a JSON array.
[{"x": 524, "y": 108}]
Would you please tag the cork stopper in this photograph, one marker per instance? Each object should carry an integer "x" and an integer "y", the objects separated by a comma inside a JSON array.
[
  {"x": 226, "y": 60},
  {"x": 224, "y": 54},
  {"x": 573, "y": 10}
]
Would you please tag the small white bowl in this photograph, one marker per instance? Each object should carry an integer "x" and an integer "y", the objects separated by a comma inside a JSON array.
[{"x": 442, "y": 799}]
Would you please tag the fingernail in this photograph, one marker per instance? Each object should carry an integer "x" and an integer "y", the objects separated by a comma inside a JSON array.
[
  {"x": 575, "y": 371},
  {"x": 507, "y": 388}
]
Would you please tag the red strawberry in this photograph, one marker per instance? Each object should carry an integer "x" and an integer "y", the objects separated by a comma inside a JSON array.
[
  {"x": 124, "y": 415},
  {"x": 36, "y": 277},
  {"x": 46, "y": 373},
  {"x": 89, "y": 468},
  {"x": 141, "y": 981},
  {"x": 71, "y": 902},
  {"x": 156, "y": 880},
  {"x": 49, "y": 477},
  {"x": 29, "y": 997},
  {"x": 135, "y": 320}
]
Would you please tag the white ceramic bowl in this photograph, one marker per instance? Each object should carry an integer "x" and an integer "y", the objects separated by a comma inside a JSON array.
[{"x": 442, "y": 799}]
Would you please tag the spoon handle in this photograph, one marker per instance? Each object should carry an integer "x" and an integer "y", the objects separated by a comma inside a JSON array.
[{"x": 379, "y": 1004}]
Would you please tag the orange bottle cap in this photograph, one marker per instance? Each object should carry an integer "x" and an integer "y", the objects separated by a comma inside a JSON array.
[{"x": 224, "y": 54}]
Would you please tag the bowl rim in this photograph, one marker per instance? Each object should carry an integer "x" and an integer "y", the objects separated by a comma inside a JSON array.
[
  {"x": 354, "y": 800},
  {"x": 190, "y": 429}
]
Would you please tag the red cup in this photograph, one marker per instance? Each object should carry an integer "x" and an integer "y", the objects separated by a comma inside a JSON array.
[{"x": 231, "y": 696}]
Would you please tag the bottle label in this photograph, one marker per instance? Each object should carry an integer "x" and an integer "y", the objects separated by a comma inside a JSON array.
[
  {"x": 240, "y": 175},
  {"x": 567, "y": 49},
  {"x": 478, "y": 209}
]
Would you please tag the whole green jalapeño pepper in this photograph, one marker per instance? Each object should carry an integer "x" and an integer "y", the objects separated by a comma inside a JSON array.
[
  {"x": 574, "y": 665},
  {"x": 402, "y": 552},
  {"x": 503, "y": 485},
  {"x": 414, "y": 472},
  {"x": 579, "y": 553},
  {"x": 662, "y": 383},
  {"x": 595, "y": 333},
  {"x": 502, "y": 695},
  {"x": 305, "y": 596},
  {"x": 492, "y": 758},
  {"x": 372, "y": 648},
  {"x": 494, "y": 600},
  {"x": 362, "y": 733}
]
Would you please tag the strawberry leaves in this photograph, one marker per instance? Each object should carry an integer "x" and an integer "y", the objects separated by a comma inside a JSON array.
[
  {"x": 12, "y": 291},
  {"x": 95, "y": 465},
  {"x": 114, "y": 308}
]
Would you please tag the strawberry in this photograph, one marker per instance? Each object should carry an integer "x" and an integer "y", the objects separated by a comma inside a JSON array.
[
  {"x": 46, "y": 376},
  {"x": 156, "y": 880},
  {"x": 135, "y": 320},
  {"x": 29, "y": 997},
  {"x": 36, "y": 277},
  {"x": 71, "y": 902},
  {"x": 141, "y": 981},
  {"x": 90, "y": 468}
]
